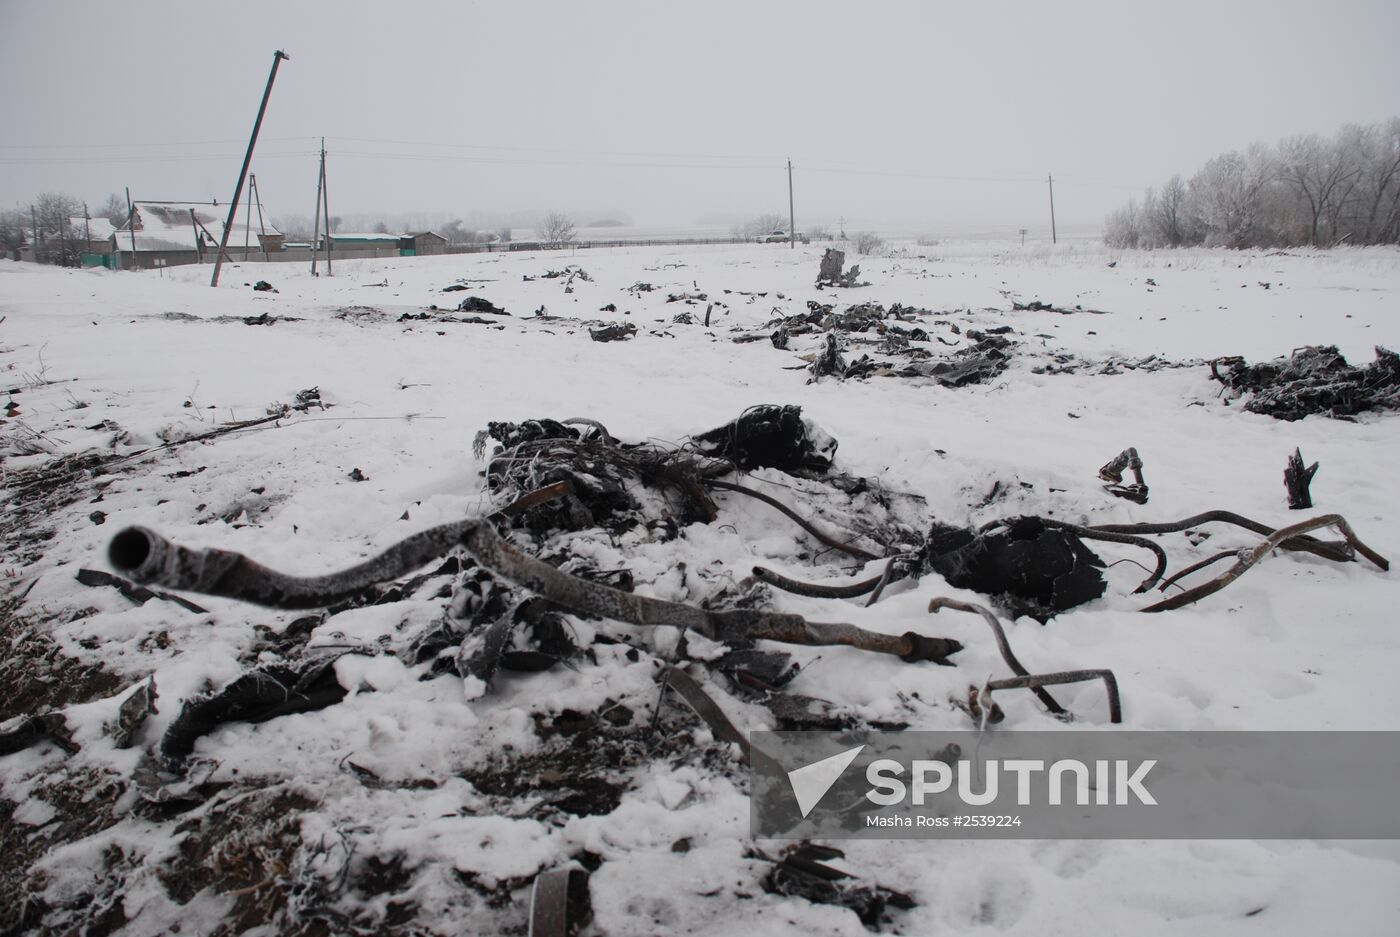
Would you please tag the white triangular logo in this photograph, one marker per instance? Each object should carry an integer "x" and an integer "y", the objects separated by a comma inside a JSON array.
[{"x": 811, "y": 782}]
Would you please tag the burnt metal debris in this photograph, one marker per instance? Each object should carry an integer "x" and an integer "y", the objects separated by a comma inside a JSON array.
[
  {"x": 1297, "y": 481},
  {"x": 613, "y": 332},
  {"x": 483, "y": 306},
  {"x": 507, "y": 608},
  {"x": 508, "y": 604},
  {"x": 1112, "y": 473},
  {"x": 830, "y": 274},
  {"x": 27, "y": 731},
  {"x": 804, "y": 871},
  {"x": 254, "y": 697},
  {"x": 1027, "y": 565},
  {"x": 1312, "y": 380},
  {"x": 560, "y": 903},
  {"x": 770, "y": 436}
]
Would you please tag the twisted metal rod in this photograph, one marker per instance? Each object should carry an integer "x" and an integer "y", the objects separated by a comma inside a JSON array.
[
  {"x": 806, "y": 525},
  {"x": 1003, "y": 645},
  {"x": 147, "y": 557},
  {"x": 1322, "y": 548},
  {"x": 1248, "y": 557},
  {"x": 816, "y": 590},
  {"x": 1110, "y": 682}
]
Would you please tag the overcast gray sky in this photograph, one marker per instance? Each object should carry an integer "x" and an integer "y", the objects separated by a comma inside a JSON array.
[{"x": 925, "y": 114}]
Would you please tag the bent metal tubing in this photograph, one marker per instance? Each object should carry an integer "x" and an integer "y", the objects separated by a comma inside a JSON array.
[
  {"x": 1034, "y": 681},
  {"x": 1003, "y": 645},
  {"x": 147, "y": 557},
  {"x": 1251, "y": 555}
]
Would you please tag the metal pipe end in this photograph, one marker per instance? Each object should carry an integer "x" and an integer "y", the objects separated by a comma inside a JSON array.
[{"x": 136, "y": 552}]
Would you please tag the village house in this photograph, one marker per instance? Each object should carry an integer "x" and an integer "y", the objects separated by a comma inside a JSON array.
[{"x": 164, "y": 234}]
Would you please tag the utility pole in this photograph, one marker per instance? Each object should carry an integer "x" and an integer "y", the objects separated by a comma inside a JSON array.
[
  {"x": 38, "y": 241},
  {"x": 792, "y": 218},
  {"x": 248, "y": 215},
  {"x": 277, "y": 58},
  {"x": 323, "y": 210},
  {"x": 256, "y": 198},
  {"x": 326, "y": 204},
  {"x": 316, "y": 233},
  {"x": 131, "y": 227},
  {"x": 1054, "y": 239}
]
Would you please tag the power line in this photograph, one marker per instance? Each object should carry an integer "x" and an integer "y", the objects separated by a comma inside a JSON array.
[
  {"x": 187, "y": 158},
  {"x": 76, "y": 146}
]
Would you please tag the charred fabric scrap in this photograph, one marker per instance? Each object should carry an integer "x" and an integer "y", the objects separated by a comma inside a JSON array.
[{"x": 1313, "y": 380}]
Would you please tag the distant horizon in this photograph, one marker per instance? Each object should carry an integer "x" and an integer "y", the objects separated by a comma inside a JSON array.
[{"x": 906, "y": 115}]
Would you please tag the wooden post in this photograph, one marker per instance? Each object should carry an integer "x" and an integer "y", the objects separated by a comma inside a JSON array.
[
  {"x": 1054, "y": 238},
  {"x": 277, "y": 58},
  {"x": 198, "y": 243}
]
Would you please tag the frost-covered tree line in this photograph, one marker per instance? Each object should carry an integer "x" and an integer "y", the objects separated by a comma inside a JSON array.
[{"x": 1305, "y": 190}]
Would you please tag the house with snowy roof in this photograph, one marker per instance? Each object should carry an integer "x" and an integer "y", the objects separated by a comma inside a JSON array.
[{"x": 162, "y": 234}]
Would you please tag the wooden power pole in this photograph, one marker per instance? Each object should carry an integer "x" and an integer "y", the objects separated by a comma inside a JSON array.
[
  {"x": 792, "y": 218},
  {"x": 131, "y": 228},
  {"x": 1054, "y": 239},
  {"x": 277, "y": 58}
]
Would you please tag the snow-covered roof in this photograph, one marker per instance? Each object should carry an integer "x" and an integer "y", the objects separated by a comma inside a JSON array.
[
  {"x": 168, "y": 226},
  {"x": 97, "y": 229},
  {"x": 359, "y": 236}
]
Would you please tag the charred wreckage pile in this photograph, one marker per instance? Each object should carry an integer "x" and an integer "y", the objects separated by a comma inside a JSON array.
[{"x": 514, "y": 582}]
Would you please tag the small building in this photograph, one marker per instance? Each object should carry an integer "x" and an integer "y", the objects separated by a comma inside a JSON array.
[
  {"x": 388, "y": 245},
  {"x": 373, "y": 244},
  {"x": 421, "y": 244},
  {"x": 163, "y": 234},
  {"x": 97, "y": 248}
]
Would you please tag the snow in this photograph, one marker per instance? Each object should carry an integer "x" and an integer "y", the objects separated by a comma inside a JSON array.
[
  {"x": 169, "y": 225},
  {"x": 1297, "y": 643}
]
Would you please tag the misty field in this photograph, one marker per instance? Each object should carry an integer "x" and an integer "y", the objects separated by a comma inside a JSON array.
[{"x": 315, "y": 424}]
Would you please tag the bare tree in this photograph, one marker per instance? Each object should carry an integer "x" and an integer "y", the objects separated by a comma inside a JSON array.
[
  {"x": 114, "y": 210},
  {"x": 295, "y": 227},
  {"x": 56, "y": 239},
  {"x": 13, "y": 224},
  {"x": 1307, "y": 190},
  {"x": 556, "y": 229},
  {"x": 1169, "y": 219},
  {"x": 761, "y": 225},
  {"x": 1123, "y": 228},
  {"x": 1317, "y": 171},
  {"x": 868, "y": 242}
]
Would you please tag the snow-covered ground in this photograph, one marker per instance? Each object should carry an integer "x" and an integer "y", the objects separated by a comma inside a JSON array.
[{"x": 119, "y": 363}]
